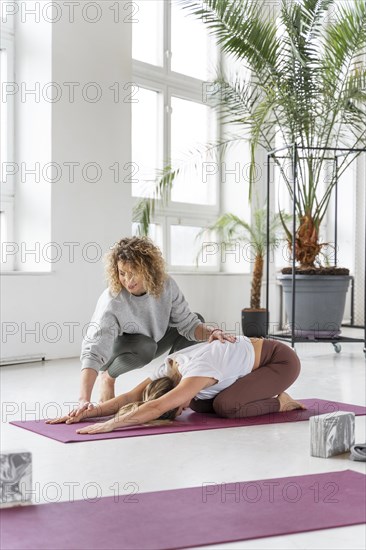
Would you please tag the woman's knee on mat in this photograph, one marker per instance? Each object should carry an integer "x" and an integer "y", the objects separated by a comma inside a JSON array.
[
  {"x": 244, "y": 410},
  {"x": 202, "y": 406},
  {"x": 225, "y": 408}
]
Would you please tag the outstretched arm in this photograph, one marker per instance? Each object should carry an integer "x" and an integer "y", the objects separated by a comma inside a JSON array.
[
  {"x": 152, "y": 410},
  {"x": 108, "y": 408}
]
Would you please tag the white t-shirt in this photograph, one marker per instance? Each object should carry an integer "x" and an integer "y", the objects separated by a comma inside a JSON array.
[{"x": 224, "y": 361}]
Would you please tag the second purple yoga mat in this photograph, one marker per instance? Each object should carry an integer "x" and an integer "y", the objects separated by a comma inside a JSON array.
[
  {"x": 189, "y": 421},
  {"x": 182, "y": 518}
]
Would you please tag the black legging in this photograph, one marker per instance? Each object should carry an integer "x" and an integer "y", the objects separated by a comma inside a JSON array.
[{"x": 253, "y": 395}]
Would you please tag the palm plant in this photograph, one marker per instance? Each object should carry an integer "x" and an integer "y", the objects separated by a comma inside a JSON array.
[
  {"x": 307, "y": 86},
  {"x": 308, "y": 83},
  {"x": 231, "y": 229}
]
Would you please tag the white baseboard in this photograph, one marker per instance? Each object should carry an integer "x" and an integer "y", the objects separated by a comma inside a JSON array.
[{"x": 21, "y": 359}]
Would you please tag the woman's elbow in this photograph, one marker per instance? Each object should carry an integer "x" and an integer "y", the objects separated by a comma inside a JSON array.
[{"x": 166, "y": 412}]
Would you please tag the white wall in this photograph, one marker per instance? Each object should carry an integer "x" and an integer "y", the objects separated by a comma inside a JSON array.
[
  {"x": 221, "y": 297},
  {"x": 56, "y": 304},
  {"x": 76, "y": 212}
]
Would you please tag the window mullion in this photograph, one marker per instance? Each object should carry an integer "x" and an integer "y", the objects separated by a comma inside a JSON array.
[
  {"x": 167, "y": 38},
  {"x": 167, "y": 133},
  {"x": 187, "y": 88},
  {"x": 166, "y": 239}
]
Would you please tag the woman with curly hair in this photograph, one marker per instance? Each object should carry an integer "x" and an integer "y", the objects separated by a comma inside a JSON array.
[
  {"x": 141, "y": 315},
  {"x": 234, "y": 380}
]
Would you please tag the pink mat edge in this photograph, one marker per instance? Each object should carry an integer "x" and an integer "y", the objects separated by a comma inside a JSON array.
[
  {"x": 163, "y": 491},
  {"x": 183, "y": 428}
]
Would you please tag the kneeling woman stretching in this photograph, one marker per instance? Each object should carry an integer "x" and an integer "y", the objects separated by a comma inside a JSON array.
[{"x": 234, "y": 380}]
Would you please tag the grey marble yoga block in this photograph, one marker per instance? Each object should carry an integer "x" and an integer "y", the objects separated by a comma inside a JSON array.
[
  {"x": 15, "y": 478},
  {"x": 331, "y": 434}
]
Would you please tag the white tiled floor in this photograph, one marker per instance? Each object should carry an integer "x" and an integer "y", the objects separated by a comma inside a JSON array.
[{"x": 188, "y": 459}]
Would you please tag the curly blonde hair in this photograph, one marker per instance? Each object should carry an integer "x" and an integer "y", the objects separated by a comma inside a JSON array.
[
  {"x": 143, "y": 256},
  {"x": 157, "y": 388}
]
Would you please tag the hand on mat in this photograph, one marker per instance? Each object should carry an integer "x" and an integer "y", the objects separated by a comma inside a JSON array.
[
  {"x": 67, "y": 419},
  {"x": 100, "y": 427},
  {"x": 219, "y": 334},
  {"x": 58, "y": 420}
]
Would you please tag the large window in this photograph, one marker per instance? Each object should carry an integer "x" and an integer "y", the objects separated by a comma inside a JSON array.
[
  {"x": 7, "y": 167},
  {"x": 173, "y": 58}
]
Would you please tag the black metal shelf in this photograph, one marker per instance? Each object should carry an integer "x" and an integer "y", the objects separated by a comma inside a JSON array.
[
  {"x": 336, "y": 341},
  {"x": 298, "y": 339},
  {"x": 290, "y": 336}
]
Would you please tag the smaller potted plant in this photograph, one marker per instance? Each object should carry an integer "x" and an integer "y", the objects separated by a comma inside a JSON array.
[{"x": 231, "y": 229}]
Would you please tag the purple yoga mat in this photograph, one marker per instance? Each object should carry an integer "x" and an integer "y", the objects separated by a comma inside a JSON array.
[
  {"x": 182, "y": 518},
  {"x": 188, "y": 422}
]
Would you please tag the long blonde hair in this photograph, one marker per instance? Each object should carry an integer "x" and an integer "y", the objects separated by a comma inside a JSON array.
[
  {"x": 143, "y": 256},
  {"x": 157, "y": 388}
]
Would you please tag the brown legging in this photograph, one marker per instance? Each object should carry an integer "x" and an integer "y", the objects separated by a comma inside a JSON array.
[{"x": 253, "y": 394}]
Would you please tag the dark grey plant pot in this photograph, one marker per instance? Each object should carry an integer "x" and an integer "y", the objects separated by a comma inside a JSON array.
[
  {"x": 253, "y": 322},
  {"x": 319, "y": 304}
]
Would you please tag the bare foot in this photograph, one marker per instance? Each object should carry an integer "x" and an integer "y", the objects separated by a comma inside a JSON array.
[
  {"x": 106, "y": 387},
  {"x": 288, "y": 404}
]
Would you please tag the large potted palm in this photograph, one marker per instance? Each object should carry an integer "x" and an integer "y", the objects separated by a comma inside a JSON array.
[
  {"x": 230, "y": 229},
  {"x": 307, "y": 86}
]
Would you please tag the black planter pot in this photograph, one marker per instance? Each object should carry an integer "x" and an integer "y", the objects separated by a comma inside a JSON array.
[{"x": 253, "y": 322}]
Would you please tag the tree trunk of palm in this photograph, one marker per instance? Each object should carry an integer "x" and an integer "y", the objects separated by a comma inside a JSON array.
[
  {"x": 307, "y": 247},
  {"x": 255, "y": 294}
]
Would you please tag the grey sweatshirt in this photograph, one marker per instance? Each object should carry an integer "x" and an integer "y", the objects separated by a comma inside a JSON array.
[{"x": 131, "y": 314}]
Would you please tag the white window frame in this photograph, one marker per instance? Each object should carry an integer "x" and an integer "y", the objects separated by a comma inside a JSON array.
[
  {"x": 169, "y": 83},
  {"x": 195, "y": 221},
  {"x": 8, "y": 187}
]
